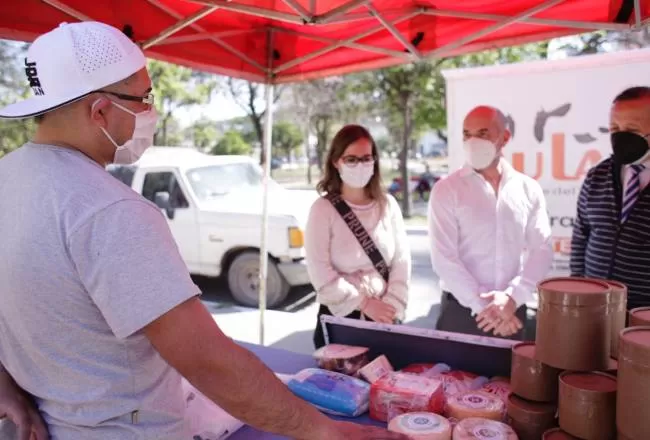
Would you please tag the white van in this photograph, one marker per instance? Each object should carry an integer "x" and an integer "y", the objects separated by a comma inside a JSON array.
[{"x": 213, "y": 206}]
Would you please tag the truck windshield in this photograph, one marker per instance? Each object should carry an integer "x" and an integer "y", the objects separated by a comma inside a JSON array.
[{"x": 217, "y": 180}]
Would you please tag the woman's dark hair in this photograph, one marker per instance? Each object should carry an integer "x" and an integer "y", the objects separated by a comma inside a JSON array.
[{"x": 331, "y": 182}]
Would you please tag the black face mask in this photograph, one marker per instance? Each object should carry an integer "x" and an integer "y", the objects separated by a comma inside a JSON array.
[{"x": 628, "y": 147}]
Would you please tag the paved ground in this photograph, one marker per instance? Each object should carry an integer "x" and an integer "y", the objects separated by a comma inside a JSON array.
[{"x": 291, "y": 326}]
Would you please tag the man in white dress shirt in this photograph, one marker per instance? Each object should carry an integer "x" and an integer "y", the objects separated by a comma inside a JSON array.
[{"x": 490, "y": 235}]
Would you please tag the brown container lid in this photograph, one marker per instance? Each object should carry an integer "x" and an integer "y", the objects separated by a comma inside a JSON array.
[
  {"x": 594, "y": 382},
  {"x": 525, "y": 349},
  {"x": 557, "y": 434},
  {"x": 640, "y": 316},
  {"x": 532, "y": 413},
  {"x": 574, "y": 291},
  {"x": 635, "y": 345},
  {"x": 619, "y": 291}
]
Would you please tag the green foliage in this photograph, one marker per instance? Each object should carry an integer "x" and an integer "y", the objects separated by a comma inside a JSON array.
[
  {"x": 287, "y": 137},
  {"x": 250, "y": 97},
  {"x": 13, "y": 87},
  {"x": 325, "y": 105},
  {"x": 175, "y": 87},
  {"x": 231, "y": 143},
  {"x": 203, "y": 133}
]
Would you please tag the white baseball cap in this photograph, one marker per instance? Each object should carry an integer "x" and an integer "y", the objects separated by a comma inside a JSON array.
[{"x": 72, "y": 61}]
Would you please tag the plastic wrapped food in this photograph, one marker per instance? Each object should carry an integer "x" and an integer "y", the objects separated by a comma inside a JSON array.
[
  {"x": 454, "y": 382},
  {"x": 476, "y": 428},
  {"x": 346, "y": 359},
  {"x": 206, "y": 420},
  {"x": 499, "y": 386},
  {"x": 422, "y": 426},
  {"x": 402, "y": 392},
  {"x": 331, "y": 392},
  {"x": 376, "y": 369},
  {"x": 475, "y": 404},
  {"x": 427, "y": 370}
]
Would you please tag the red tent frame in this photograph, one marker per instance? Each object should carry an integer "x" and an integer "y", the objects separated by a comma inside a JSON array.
[{"x": 281, "y": 41}]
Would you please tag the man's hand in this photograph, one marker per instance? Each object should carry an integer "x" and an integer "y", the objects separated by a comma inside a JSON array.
[
  {"x": 353, "y": 431},
  {"x": 18, "y": 408},
  {"x": 379, "y": 311},
  {"x": 500, "y": 311},
  {"x": 508, "y": 327}
]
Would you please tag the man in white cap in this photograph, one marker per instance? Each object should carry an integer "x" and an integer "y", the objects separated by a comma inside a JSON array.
[{"x": 99, "y": 318}]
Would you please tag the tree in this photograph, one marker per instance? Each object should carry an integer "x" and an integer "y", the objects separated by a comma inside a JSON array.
[
  {"x": 250, "y": 97},
  {"x": 286, "y": 138},
  {"x": 13, "y": 87},
  {"x": 402, "y": 93},
  {"x": 605, "y": 41},
  {"x": 203, "y": 133},
  {"x": 323, "y": 105},
  {"x": 175, "y": 87},
  {"x": 231, "y": 143}
]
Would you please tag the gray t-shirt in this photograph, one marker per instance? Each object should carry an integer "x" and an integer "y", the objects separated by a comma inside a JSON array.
[{"x": 85, "y": 264}]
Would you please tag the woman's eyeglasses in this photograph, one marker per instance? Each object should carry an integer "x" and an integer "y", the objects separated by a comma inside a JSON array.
[{"x": 354, "y": 160}]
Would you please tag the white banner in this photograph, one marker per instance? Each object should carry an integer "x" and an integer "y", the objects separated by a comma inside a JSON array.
[{"x": 558, "y": 112}]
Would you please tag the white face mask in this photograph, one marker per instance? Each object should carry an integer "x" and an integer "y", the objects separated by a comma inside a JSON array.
[
  {"x": 479, "y": 153},
  {"x": 357, "y": 176},
  {"x": 142, "y": 138}
]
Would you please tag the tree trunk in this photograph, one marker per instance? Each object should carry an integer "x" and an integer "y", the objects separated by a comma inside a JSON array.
[
  {"x": 322, "y": 136},
  {"x": 164, "y": 131},
  {"x": 407, "y": 201},
  {"x": 307, "y": 146},
  {"x": 259, "y": 131}
]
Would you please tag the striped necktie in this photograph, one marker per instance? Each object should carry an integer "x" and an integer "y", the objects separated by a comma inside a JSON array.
[{"x": 632, "y": 191}]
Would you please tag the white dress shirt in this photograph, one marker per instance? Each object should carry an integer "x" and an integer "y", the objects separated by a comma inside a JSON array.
[{"x": 483, "y": 242}]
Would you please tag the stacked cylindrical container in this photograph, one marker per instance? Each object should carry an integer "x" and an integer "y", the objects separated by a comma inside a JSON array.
[{"x": 585, "y": 363}]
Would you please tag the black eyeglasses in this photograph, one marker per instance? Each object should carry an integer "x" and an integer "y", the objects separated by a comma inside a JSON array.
[
  {"x": 354, "y": 160},
  {"x": 146, "y": 99}
]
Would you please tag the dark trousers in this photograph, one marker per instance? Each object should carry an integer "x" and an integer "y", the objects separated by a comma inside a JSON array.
[{"x": 456, "y": 318}]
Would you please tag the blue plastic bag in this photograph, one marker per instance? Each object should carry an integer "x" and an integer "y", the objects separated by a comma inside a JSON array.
[{"x": 331, "y": 392}]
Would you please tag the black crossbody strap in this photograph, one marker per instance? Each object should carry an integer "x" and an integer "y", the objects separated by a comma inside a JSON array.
[{"x": 360, "y": 233}]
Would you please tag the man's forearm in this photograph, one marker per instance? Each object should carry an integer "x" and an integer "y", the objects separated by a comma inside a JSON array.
[
  {"x": 190, "y": 341},
  {"x": 254, "y": 395}
]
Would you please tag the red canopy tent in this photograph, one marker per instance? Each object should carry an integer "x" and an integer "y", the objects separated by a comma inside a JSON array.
[
  {"x": 289, "y": 40},
  {"x": 279, "y": 41}
]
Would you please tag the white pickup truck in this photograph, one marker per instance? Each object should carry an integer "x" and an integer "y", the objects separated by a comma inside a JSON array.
[{"x": 213, "y": 206}]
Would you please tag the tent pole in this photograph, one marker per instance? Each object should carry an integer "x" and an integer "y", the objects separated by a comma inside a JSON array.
[
  {"x": 586, "y": 25},
  {"x": 268, "y": 139},
  {"x": 637, "y": 14},
  {"x": 178, "y": 26},
  {"x": 68, "y": 10},
  {"x": 441, "y": 51}
]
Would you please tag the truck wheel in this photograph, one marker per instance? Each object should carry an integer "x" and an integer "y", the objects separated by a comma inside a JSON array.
[{"x": 243, "y": 281}]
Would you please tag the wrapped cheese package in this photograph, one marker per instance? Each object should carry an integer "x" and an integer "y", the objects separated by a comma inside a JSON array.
[
  {"x": 499, "y": 386},
  {"x": 456, "y": 382},
  {"x": 427, "y": 370},
  {"x": 421, "y": 426},
  {"x": 470, "y": 404},
  {"x": 399, "y": 393},
  {"x": 376, "y": 369},
  {"x": 453, "y": 382},
  {"x": 476, "y": 428},
  {"x": 346, "y": 359},
  {"x": 331, "y": 392}
]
